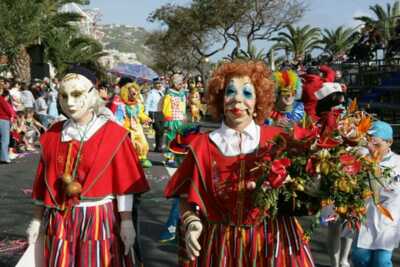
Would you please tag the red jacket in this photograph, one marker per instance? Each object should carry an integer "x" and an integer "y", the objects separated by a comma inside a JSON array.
[
  {"x": 6, "y": 110},
  {"x": 311, "y": 84},
  {"x": 109, "y": 166}
]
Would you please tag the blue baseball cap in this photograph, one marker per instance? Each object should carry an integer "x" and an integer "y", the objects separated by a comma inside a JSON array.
[{"x": 382, "y": 130}]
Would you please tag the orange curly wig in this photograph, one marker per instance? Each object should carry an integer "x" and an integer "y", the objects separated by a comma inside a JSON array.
[{"x": 260, "y": 76}]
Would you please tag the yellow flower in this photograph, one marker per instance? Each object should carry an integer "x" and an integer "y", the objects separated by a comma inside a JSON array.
[
  {"x": 341, "y": 210},
  {"x": 366, "y": 194},
  {"x": 326, "y": 202},
  {"x": 325, "y": 167},
  {"x": 343, "y": 185}
]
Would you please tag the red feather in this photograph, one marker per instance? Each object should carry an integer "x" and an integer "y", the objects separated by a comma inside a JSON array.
[{"x": 286, "y": 78}]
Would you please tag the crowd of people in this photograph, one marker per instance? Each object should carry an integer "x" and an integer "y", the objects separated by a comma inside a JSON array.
[
  {"x": 26, "y": 111},
  {"x": 212, "y": 206}
]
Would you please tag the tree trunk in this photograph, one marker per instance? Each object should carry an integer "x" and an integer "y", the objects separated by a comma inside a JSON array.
[{"x": 21, "y": 65}]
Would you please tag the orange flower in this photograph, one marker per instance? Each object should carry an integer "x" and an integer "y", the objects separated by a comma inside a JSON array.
[
  {"x": 366, "y": 194},
  {"x": 365, "y": 124},
  {"x": 341, "y": 210},
  {"x": 353, "y": 107},
  {"x": 384, "y": 211}
]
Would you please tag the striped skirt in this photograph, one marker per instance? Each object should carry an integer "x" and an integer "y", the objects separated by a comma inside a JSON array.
[
  {"x": 273, "y": 243},
  {"x": 84, "y": 236}
]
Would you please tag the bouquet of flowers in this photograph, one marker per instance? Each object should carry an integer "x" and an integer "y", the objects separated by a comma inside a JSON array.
[{"x": 325, "y": 164}]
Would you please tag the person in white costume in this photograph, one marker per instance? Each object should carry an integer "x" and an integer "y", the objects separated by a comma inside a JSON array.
[{"x": 379, "y": 235}]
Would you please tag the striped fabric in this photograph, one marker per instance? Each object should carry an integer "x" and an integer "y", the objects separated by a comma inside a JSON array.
[
  {"x": 274, "y": 243},
  {"x": 84, "y": 236}
]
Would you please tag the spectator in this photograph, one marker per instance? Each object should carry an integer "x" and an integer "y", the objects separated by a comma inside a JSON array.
[
  {"x": 52, "y": 95},
  {"x": 153, "y": 108},
  {"x": 7, "y": 114},
  {"x": 27, "y": 99},
  {"x": 15, "y": 94},
  {"x": 33, "y": 129},
  {"x": 41, "y": 108}
]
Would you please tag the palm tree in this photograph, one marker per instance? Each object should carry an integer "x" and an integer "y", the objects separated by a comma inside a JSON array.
[
  {"x": 298, "y": 41},
  {"x": 28, "y": 23},
  {"x": 64, "y": 49},
  {"x": 251, "y": 54},
  {"x": 338, "y": 42},
  {"x": 384, "y": 21}
]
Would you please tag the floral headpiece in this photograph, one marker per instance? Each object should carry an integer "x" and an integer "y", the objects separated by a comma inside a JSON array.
[{"x": 288, "y": 81}]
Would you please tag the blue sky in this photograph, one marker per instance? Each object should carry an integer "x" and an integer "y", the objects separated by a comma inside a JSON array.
[{"x": 322, "y": 13}]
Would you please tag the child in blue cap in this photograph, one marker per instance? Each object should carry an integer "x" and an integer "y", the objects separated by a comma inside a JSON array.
[{"x": 379, "y": 235}]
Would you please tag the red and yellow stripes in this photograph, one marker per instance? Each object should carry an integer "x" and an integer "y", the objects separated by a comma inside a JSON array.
[
  {"x": 84, "y": 236},
  {"x": 277, "y": 244}
]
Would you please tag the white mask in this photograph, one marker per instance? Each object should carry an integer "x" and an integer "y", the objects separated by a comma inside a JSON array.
[{"x": 77, "y": 96}]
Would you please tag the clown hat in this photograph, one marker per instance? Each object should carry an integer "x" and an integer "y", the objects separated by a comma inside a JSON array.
[
  {"x": 327, "y": 89},
  {"x": 183, "y": 139},
  {"x": 287, "y": 81}
]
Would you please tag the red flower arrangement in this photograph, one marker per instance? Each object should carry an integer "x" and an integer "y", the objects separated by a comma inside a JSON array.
[{"x": 324, "y": 164}]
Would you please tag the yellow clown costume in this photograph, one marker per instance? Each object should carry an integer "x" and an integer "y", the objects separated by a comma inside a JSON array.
[{"x": 130, "y": 114}]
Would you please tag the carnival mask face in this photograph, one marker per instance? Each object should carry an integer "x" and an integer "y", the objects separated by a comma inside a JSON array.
[
  {"x": 77, "y": 96},
  {"x": 132, "y": 95},
  {"x": 239, "y": 101},
  {"x": 286, "y": 99}
]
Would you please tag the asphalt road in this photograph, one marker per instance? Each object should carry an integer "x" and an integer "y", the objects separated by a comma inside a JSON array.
[{"x": 16, "y": 212}]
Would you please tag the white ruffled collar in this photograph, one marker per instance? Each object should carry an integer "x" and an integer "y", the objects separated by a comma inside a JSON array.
[
  {"x": 74, "y": 131},
  {"x": 232, "y": 143}
]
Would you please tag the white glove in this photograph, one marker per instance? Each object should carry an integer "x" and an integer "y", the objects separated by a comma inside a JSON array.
[
  {"x": 192, "y": 235},
  {"x": 128, "y": 235},
  {"x": 33, "y": 231}
]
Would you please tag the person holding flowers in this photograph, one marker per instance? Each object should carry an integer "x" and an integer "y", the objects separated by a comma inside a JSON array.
[
  {"x": 329, "y": 109},
  {"x": 380, "y": 233},
  {"x": 224, "y": 224}
]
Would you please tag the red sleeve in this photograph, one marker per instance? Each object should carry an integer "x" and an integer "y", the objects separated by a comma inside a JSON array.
[
  {"x": 329, "y": 73},
  {"x": 128, "y": 175},
  {"x": 188, "y": 181},
  {"x": 8, "y": 108},
  {"x": 39, "y": 187}
]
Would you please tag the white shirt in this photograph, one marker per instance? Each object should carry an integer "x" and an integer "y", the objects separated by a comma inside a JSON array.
[
  {"x": 232, "y": 143},
  {"x": 378, "y": 231},
  {"x": 41, "y": 106},
  {"x": 74, "y": 131},
  {"x": 27, "y": 99},
  {"x": 153, "y": 101},
  {"x": 16, "y": 99}
]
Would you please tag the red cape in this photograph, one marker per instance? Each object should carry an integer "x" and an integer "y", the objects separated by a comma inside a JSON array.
[{"x": 115, "y": 169}]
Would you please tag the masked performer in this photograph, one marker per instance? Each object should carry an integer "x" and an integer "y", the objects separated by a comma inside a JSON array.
[
  {"x": 131, "y": 115},
  {"x": 288, "y": 90},
  {"x": 215, "y": 182},
  {"x": 194, "y": 102},
  {"x": 174, "y": 112},
  {"x": 85, "y": 182}
]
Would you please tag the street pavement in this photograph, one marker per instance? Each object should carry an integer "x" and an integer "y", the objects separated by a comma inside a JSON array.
[{"x": 16, "y": 211}]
